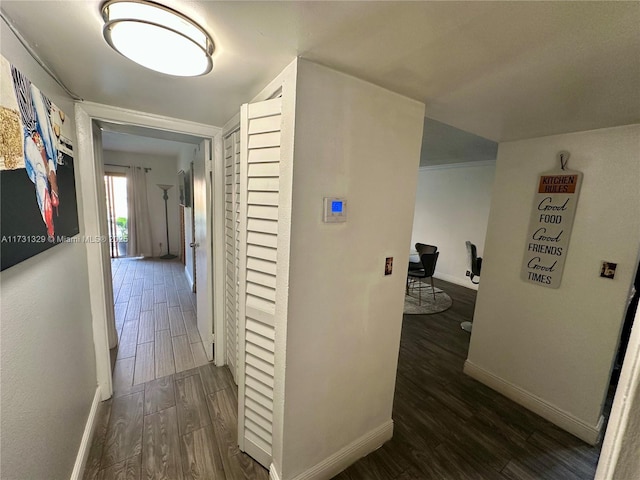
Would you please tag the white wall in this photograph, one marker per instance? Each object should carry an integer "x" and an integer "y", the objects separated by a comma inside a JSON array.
[
  {"x": 187, "y": 156},
  {"x": 47, "y": 356},
  {"x": 452, "y": 206},
  {"x": 555, "y": 347},
  {"x": 361, "y": 142},
  {"x": 164, "y": 170}
]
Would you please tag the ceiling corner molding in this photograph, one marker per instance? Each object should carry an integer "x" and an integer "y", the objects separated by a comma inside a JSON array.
[{"x": 446, "y": 166}]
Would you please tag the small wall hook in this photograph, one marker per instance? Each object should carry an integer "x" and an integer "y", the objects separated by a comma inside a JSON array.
[{"x": 563, "y": 156}]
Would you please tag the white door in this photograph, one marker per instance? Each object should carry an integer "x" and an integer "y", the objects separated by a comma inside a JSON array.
[
  {"x": 260, "y": 126},
  {"x": 203, "y": 244}
]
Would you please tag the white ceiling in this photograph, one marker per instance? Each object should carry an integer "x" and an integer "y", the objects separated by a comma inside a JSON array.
[{"x": 501, "y": 70}]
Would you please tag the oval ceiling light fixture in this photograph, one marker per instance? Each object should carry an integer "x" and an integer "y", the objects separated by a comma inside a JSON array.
[{"x": 157, "y": 37}]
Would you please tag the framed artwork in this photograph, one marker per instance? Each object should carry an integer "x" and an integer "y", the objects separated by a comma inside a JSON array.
[
  {"x": 38, "y": 204},
  {"x": 181, "y": 196},
  {"x": 188, "y": 188}
]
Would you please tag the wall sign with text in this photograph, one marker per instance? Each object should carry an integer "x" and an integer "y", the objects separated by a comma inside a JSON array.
[{"x": 554, "y": 208}]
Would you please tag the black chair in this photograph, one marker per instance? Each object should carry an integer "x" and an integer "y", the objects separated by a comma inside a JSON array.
[
  {"x": 474, "y": 262},
  {"x": 428, "y": 261},
  {"x": 475, "y": 266},
  {"x": 422, "y": 248}
]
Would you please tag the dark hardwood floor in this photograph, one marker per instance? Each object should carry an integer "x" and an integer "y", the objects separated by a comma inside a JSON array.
[
  {"x": 448, "y": 426},
  {"x": 181, "y": 426}
]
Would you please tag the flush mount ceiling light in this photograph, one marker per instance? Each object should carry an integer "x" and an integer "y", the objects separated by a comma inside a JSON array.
[{"x": 157, "y": 37}]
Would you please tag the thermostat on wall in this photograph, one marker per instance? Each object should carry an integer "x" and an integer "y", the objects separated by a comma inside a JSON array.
[{"x": 335, "y": 210}]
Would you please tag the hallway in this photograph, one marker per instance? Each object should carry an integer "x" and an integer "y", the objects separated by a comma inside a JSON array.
[
  {"x": 155, "y": 314},
  {"x": 173, "y": 415},
  {"x": 182, "y": 426},
  {"x": 449, "y": 426}
]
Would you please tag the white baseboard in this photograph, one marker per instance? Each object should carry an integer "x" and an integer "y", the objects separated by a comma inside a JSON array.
[
  {"x": 566, "y": 421},
  {"x": 462, "y": 281},
  {"x": 331, "y": 466},
  {"x": 189, "y": 279},
  {"x": 87, "y": 437},
  {"x": 273, "y": 474}
]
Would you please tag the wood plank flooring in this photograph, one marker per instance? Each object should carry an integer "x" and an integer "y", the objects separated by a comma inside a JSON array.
[
  {"x": 450, "y": 427},
  {"x": 447, "y": 426},
  {"x": 156, "y": 322},
  {"x": 181, "y": 426}
]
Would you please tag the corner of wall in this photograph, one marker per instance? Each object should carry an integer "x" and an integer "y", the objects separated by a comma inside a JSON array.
[
  {"x": 273, "y": 473},
  {"x": 553, "y": 349},
  {"x": 336, "y": 463},
  {"x": 589, "y": 433},
  {"x": 347, "y": 126},
  {"x": 87, "y": 438}
]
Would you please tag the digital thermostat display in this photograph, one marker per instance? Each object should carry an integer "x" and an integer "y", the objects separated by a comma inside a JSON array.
[{"x": 334, "y": 210}]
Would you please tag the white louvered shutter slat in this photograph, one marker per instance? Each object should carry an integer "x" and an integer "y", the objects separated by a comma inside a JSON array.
[
  {"x": 231, "y": 185},
  {"x": 260, "y": 135}
]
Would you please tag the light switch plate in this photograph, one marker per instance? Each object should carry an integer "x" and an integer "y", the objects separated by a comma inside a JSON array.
[{"x": 608, "y": 270}]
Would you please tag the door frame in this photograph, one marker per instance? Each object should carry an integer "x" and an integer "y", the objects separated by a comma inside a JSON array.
[
  {"x": 616, "y": 442},
  {"x": 209, "y": 245},
  {"x": 90, "y": 172},
  {"x": 229, "y": 128}
]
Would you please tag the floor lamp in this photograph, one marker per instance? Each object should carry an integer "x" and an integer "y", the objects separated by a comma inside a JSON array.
[{"x": 165, "y": 196}]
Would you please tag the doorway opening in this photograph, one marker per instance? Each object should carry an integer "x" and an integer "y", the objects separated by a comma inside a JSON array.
[
  {"x": 625, "y": 335},
  {"x": 117, "y": 213},
  {"x": 156, "y": 315},
  {"x": 93, "y": 120},
  {"x": 434, "y": 349}
]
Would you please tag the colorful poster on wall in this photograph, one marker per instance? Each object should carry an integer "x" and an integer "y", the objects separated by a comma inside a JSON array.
[
  {"x": 38, "y": 205},
  {"x": 550, "y": 226}
]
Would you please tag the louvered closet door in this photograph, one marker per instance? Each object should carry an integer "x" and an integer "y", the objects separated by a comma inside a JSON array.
[
  {"x": 231, "y": 183},
  {"x": 259, "y": 184},
  {"x": 236, "y": 216}
]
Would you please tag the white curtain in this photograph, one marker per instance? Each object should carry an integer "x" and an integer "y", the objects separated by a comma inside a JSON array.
[{"x": 139, "y": 222}]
